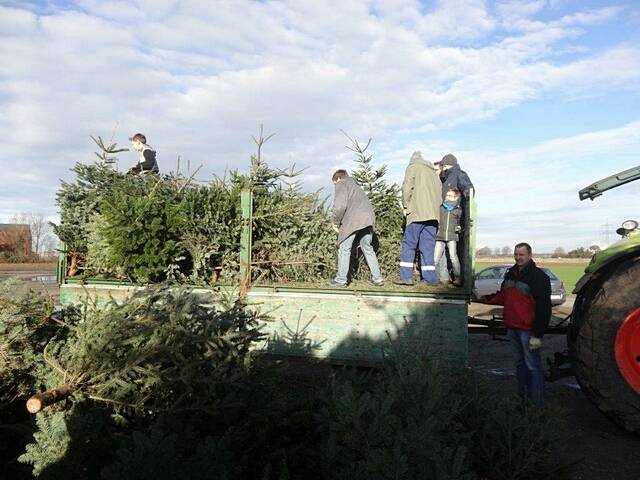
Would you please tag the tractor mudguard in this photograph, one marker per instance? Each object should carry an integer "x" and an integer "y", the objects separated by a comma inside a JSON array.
[{"x": 628, "y": 247}]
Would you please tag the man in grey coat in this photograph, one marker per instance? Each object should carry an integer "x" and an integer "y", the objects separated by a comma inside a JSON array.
[
  {"x": 353, "y": 215},
  {"x": 421, "y": 202}
]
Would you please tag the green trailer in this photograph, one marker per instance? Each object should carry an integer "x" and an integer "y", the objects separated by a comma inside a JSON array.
[{"x": 351, "y": 325}]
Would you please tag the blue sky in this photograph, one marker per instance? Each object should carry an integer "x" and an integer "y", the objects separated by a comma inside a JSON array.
[{"x": 536, "y": 99}]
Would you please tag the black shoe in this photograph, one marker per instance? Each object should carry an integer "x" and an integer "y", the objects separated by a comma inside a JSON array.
[
  {"x": 334, "y": 284},
  {"x": 379, "y": 283},
  {"x": 403, "y": 282}
]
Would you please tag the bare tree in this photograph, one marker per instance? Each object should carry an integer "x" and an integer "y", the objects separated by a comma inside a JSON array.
[
  {"x": 559, "y": 252},
  {"x": 506, "y": 250},
  {"x": 41, "y": 231}
]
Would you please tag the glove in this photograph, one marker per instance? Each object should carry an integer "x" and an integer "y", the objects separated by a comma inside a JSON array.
[
  {"x": 535, "y": 343},
  {"x": 458, "y": 229}
]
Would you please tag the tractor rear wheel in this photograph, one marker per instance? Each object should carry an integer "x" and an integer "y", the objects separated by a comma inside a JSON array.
[{"x": 605, "y": 344}]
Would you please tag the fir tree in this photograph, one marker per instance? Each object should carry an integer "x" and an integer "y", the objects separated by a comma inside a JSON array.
[
  {"x": 292, "y": 236},
  {"x": 144, "y": 218},
  {"x": 162, "y": 350},
  {"x": 211, "y": 229},
  {"x": 385, "y": 199},
  {"x": 107, "y": 152},
  {"x": 78, "y": 202},
  {"x": 28, "y": 322}
]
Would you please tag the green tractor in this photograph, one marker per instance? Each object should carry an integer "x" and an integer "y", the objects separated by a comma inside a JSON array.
[{"x": 604, "y": 334}]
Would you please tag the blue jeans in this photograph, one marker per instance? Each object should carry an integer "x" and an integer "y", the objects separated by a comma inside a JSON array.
[
  {"x": 344, "y": 257},
  {"x": 529, "y": 371},
  {"x": 441, "y": 259},
  {"x": 419, "y": 235}
]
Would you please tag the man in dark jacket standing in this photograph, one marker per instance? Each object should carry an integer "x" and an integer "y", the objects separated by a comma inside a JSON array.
[
  {"x": 453, "y": 176},
  {"x": 421, "y": 202},
  {"x": 526, "y": 296},
  {"x": 353, "y": 215}
]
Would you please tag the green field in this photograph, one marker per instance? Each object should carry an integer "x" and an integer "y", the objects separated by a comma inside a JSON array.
[{"x": 569, "y": 273}]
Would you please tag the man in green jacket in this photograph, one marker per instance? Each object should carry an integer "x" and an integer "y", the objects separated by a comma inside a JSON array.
[{"x": 421, "y": 199}]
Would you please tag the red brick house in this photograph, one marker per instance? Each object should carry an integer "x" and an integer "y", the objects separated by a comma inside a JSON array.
[{"x": 15, "y": 238}]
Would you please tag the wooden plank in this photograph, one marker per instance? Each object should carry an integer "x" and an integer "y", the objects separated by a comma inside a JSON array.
[
  {"x": 469, "y": 242},
  {"x": 246, "y": 199}
]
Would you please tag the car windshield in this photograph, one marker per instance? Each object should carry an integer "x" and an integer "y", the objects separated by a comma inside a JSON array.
[
  {"x": 490, "y": 273},
  {"x": 552, "y": 276}
]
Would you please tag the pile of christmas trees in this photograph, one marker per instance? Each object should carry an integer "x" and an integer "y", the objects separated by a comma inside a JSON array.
[
  {"x": 167, "y": 356},
  {"x": 150, "y": 228},
  {"x": 169, "y": 385}
]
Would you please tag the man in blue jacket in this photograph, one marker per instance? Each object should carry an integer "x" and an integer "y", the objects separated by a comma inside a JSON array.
[{"x": 453, "y": 176}]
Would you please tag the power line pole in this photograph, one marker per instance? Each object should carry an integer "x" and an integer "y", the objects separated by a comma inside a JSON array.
[{"x": 607, "y": 232}]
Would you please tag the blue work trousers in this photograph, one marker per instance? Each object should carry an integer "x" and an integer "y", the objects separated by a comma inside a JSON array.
[
  {"x": 419, "y": 235},
  {"x": 529, "y": 372}
]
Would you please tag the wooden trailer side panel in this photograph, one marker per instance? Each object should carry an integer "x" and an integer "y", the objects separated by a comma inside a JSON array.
[
  {"x": 344, "y": 328},
  {"x": 359, "y": 328}
]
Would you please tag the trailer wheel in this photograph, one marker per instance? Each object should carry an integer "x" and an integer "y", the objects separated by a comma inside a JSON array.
[{"x": 605, "y": 343}]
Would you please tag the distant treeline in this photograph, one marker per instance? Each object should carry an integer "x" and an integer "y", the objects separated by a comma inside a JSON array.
[{"x": 559, "y": 252}]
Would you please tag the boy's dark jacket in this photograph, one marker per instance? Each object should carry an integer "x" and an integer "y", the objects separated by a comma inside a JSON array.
[
  {"x": 526, "y": 296},
  {"x": 449, "y": 223}
]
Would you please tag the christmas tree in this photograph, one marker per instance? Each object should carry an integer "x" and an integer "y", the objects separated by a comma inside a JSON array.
[{"x": 385, "y": 199}]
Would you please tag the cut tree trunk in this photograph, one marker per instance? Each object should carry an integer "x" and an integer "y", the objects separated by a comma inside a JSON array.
[
  {"x": 73, "y": 265},
  {"x": 44, "y": 399}
]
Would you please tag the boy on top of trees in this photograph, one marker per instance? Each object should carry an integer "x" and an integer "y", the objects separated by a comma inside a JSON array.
[{"x": 147, "y": 155}]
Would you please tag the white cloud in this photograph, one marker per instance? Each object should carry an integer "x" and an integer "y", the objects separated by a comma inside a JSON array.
[
  {"x": 514, "y": 10},
  {"x": 591, "y": 17},
  {"x": 532, "y": 192},
  {"x": 199, "y": 77}
]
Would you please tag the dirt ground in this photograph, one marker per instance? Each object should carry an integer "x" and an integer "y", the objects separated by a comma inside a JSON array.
[
  {"x": 40, "y": 276},
  {"x": 600, "y": 449}
]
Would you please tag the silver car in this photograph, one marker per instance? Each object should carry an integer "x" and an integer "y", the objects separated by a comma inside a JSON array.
[{"x": 488, "y": 281}]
